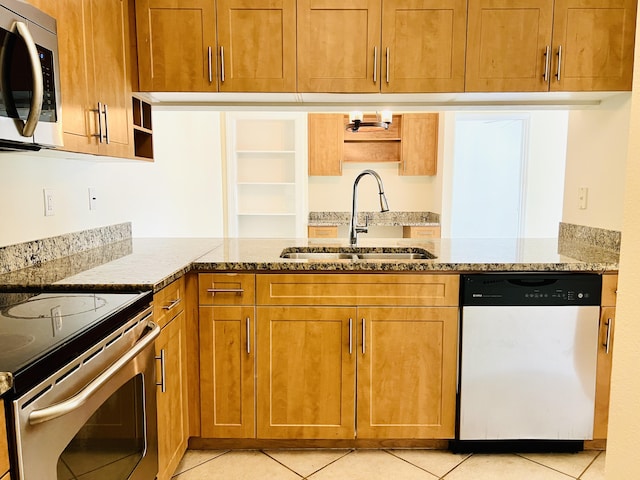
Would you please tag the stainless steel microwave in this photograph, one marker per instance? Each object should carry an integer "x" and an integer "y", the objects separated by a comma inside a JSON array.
[{"x": 30, "y": 112}]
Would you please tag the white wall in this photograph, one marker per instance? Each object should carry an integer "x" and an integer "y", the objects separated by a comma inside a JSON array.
[
  {"x": 596, "y": 157},
  {"x": 178, "y": 195}
]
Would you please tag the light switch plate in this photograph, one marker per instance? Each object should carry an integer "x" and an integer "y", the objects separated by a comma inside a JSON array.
[{"x": 49, "y": 202}]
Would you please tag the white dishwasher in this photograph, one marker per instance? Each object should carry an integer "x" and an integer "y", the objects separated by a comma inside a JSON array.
[{"x": 528, "y": 356}]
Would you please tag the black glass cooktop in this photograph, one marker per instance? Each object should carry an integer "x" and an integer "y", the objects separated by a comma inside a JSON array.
[{"x": 40, "y": 333}]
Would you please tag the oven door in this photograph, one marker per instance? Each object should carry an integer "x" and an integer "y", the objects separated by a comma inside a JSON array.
[
  {"x": 29, "y": 84},
  {"x": 95, "y": 418}
]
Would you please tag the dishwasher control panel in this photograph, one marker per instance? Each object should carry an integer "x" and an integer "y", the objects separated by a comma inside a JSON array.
[{"x": 531, "y": 289}]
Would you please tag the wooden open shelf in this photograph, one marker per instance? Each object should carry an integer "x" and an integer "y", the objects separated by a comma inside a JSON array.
[{"x": 142, "y": 129}]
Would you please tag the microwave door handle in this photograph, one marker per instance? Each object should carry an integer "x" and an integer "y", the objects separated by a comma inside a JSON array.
[
  {"x": 59, "y": 409},
  {"x": 38, "y": 89}
]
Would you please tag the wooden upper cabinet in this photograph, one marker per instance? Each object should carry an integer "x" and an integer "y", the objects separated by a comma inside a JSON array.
[
  {"x": 176, "y": 45},
  {"x": 339, "y": 45},
  {"x": 419, "y": 144},
  {"x": 93, "y": 47},
  {"x": 506, "y": 45},
  {"x": 423, "y": 45},
  {"x": 113, "y": 81},
  {"x": 596, "y": 38},
  {"x": 257, "y": 45},
  {"x": 326, "y": 143}
]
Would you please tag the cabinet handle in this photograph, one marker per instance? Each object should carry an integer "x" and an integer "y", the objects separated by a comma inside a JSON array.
[
  {"x": 607, "y": 343},
  {"x": 222, "y": 64},
  {"x": 210, "y": 64},
  {"x": 388, "y": 60},
  {"x": 237, "y": 291},
  {"x": 559, "y": 62},
  {"x": 172, "y": 304},
  {"x": 375, "y": 64},
  {"x": 106, "y": 124},
  {"x": 547, "y": 60},
  {"x": 350, "y": 336},
  {"x": 99, "y": 112},
  {"x": 162, "y": 384},
  {"x": 248, "y": 336},
  {"x": 364, "y": 337}
]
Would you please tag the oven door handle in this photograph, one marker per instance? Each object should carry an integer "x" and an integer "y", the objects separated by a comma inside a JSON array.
[{"x": 75, "y": 402}]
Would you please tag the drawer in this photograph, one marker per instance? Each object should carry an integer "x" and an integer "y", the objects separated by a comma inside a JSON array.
[
  {"x": 431, "y": 231},
  {"x": 609, "y": 290},
  {"x": 358, "y": 289},
  {"x": 328, "y": 231},
  {"x": 226, "y": 289},
  {"x": 169, "y": 302}
]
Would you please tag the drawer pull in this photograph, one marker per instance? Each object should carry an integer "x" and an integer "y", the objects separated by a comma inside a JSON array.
[
  {"x": 172, "y": 304},
  {"x": 237, "y": 291},
  {"x": 364, "y": 336},
  {"x": 350, "y": 336}
]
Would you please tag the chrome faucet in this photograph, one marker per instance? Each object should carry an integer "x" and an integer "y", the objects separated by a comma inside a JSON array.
[{"x": 384, "y": 207}]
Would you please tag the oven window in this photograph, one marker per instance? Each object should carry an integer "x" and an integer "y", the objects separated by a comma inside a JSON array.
[
  {"x": 111, "y": 443},
  {"x": 16, "y": 87}
]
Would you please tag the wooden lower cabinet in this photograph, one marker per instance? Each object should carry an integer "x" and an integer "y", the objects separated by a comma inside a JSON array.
[
  {"x": 306, "y": 372},
  {"x": 4, "y": 449},
  {"x": 407, "y": 362},
  {"x": 227, "y": 371},
  {"x": 603, "y": 372},
  {"x": 172, "y": 396}
]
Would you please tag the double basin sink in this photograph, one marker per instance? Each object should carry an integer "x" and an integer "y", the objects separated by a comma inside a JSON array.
[{"x": 356, "y": 253}]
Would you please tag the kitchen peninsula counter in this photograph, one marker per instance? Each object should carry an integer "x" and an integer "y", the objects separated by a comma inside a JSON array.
[{"x": 151, "y": 264}]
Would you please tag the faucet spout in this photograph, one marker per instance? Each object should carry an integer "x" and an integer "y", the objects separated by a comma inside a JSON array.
[{"x": 384, "y": 206}]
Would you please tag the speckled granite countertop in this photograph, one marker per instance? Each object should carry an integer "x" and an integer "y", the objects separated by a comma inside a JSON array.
[
  {"x": 452, "y": 255},
  {"x": 151, "y": 264}
]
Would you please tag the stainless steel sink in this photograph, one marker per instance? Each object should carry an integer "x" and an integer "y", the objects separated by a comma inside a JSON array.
[{"x": 356, "y": 253}]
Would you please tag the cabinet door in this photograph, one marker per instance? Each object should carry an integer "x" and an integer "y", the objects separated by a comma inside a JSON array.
[
  {"x": 597, "y": 42},
  {"x": 338, "y": 45},
  {"x": 227, "y": 370},
  {"x": 603, "y": 372},
  {"x": 176, "y": 45},
  {"x": 173, "y": 419},
  {"x": 4, "y": 449},
  {"x": 257, "y": 45},
  {"x": 419, "y": 144},
  {"x": 306, "y": 372},
  {"x": 113, "y": 82},
  {"x": 506, "y": 45},
  {"x": 326, "y": 143},
  {"x": 407, "y": 366},
  {"x": 79, "y": 121},
  {"x": 423, "y": 44}
]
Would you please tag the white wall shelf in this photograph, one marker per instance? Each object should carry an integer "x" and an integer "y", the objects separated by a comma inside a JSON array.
[{"x": 267, "y": 174}]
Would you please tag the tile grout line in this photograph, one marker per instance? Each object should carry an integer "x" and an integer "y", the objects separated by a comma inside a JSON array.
[
  {"x": 175, "y": 475},
  {"x": 590, "y": 464},
  {"x": 313, "y": 473},
  {"x": 546, "y": 466},
  {"x": 464, "y": 460},
  {"x": 412, "y": 464}
]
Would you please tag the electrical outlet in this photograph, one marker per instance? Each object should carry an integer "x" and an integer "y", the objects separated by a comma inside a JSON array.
[
  {"x": 582, "y": 197},
  {"x": 93, "y": 198},
  {"x": 49, "y": 202}
]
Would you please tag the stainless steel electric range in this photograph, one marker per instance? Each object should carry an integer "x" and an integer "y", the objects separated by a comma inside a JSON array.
[{"x": 82, "y": 398}]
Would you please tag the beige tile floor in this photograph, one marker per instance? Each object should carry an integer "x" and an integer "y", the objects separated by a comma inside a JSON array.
[{"x": 386, "y": 464}]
